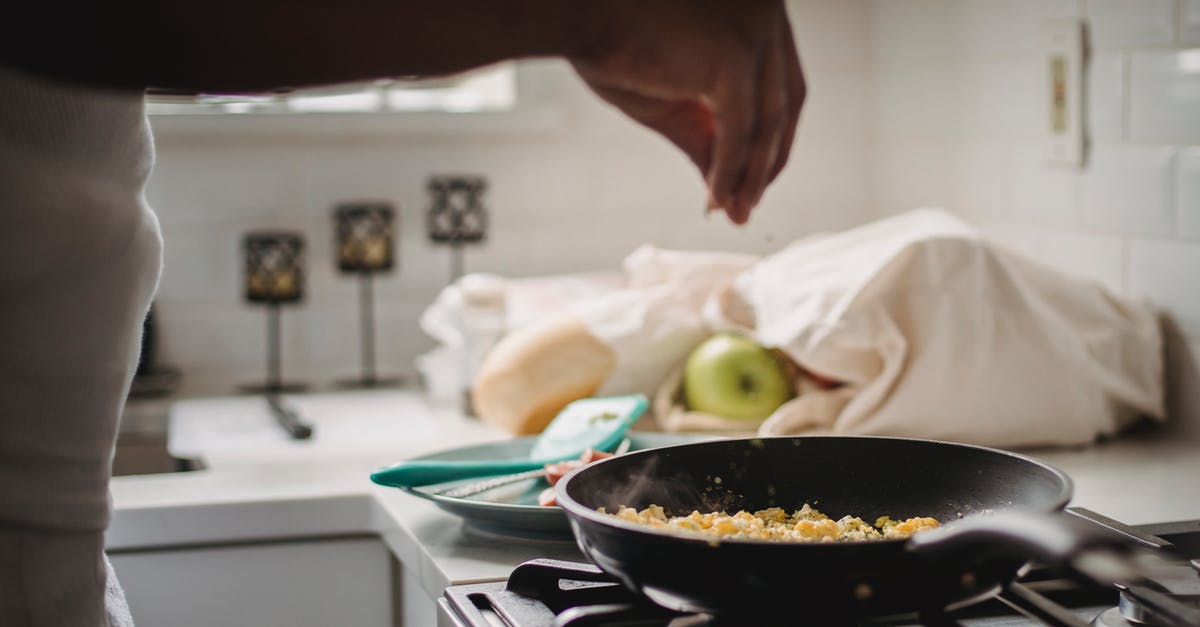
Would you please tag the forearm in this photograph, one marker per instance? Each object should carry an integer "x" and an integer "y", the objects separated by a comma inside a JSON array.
[{"x": 248, "y": 46}]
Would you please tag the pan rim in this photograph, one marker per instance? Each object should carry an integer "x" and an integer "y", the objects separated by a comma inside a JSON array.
[{"x": 575, "y": 509}]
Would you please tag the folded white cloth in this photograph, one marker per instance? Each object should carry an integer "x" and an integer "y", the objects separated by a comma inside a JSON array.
[{"x": 936, "y": 332}]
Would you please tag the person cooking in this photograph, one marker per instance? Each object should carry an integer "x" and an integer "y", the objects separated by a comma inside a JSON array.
[{"x": 80, "y": 250}]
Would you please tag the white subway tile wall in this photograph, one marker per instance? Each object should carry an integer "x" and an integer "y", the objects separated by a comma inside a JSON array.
[
  {"x": 1042, "y": 195},
  {"x": 1106, "y": 95},
  {"x": 1129, "y": 218},
  {"x": 1187, "y": 193},
  {"x": 1164, "y": 96},
  {"x": 1189, "y": 22},
  {"x": 1127, "y": 187},
  {"x": 1124, "y": 23},
  {"x": 1167, "y": 272}
]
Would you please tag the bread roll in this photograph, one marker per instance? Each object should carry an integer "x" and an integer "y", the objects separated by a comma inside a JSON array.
[{"x": 530, "y": 375}]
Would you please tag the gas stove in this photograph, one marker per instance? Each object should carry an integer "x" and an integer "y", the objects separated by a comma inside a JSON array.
[{"x": 544, "y": 593}]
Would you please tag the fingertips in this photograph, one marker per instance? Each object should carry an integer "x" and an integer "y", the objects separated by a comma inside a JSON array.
[
  {"x": 736, "y": 121},
  {"x": 738, "y": 214},
  {"x": 771, "y": 103}
]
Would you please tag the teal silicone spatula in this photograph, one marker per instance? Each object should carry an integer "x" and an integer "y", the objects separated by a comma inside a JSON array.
[{"x": 596, "y": 423}]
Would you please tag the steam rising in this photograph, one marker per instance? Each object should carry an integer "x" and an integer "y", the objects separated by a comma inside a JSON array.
[{"x": 681, "y": 492}]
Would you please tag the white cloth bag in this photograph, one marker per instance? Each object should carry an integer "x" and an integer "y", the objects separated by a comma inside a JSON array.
[{"x": 936, "y": 332}]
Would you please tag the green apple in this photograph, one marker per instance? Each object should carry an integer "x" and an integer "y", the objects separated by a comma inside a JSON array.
[{"x": 735, "y": 377}]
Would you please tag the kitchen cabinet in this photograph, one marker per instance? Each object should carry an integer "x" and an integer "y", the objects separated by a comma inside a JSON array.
[{"x": 315, "y": 582}]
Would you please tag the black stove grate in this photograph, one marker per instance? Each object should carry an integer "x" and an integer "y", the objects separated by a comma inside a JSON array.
[{"x": 544, "y": 593}]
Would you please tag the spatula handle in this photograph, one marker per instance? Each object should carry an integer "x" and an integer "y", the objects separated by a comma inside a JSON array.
[{"x": 427, "y": 472}]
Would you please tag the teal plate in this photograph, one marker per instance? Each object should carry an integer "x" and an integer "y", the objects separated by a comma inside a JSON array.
[{"x": 513, "y": 509}]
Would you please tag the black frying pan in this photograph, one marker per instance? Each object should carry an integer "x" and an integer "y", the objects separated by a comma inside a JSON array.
[{"x": 863, "y": 476}]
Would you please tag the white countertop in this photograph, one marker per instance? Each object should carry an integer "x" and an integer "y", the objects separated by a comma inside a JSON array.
[{"x": 260, "y": 485}]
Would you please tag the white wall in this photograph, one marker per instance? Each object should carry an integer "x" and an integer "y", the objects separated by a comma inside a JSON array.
[
  {"x": 957, "y": 121},
  {"x": 577, "y": 196}
]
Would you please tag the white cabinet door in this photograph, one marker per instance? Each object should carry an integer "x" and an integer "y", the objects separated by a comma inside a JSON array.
[{"x": 316, "y": 583}]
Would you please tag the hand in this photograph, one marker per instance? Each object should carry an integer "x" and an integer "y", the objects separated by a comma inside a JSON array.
[{"x": 720, "y": 79}]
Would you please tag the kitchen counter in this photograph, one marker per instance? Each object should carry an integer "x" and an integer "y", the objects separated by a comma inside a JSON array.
[{"x": 260, "y": 486}]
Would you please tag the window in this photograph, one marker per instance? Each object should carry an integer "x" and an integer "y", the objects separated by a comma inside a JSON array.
[{"x": 491, "y": 89}]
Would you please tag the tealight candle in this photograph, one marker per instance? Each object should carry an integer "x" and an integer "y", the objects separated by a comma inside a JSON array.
[
  {"x": 364, "y": 236},
  {"x": 274, "y": 272}
]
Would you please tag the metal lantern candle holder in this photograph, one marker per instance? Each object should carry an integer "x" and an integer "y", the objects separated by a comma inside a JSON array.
[
  {"x": 366, "y": 246},
  {"x": 457, "y": 216},
  {"x": 274, "y": 277}
]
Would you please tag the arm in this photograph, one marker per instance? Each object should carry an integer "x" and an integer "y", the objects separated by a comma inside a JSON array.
[
  {"x": 720, "y": 79},
  {"x": 233, "y": 46}
]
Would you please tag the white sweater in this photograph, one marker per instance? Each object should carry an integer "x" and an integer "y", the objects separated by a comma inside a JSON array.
[{"x": 80, "y": 255}]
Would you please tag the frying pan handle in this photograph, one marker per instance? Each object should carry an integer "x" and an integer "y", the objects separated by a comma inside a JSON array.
[
  {"x": 1082, "y": 548},
  {"x": 1055, "y": 540},
  {"x": 1069, "y": 543}
]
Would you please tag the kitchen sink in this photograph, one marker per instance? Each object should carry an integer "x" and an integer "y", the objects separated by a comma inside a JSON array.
[
  {"x": 146, "y": 454},
  {"x": 142, "y": 439}
]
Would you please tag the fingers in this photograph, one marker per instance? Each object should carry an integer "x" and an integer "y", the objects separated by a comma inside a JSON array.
[
  {"x": 776, "y": 96},
  {"x": 763, "y": 155},
  {"x": 730, "y": 98},
  {"x": 734, "y": 106},
  {"x": 690, "y": 126},
  {"x": 795, "y": 91}
]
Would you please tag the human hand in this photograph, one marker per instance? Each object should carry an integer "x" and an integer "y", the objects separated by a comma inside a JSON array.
[{"x": 719, "y": 79}]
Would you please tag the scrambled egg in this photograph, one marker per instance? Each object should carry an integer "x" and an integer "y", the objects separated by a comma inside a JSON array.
[{"x": 804, "y": 525}]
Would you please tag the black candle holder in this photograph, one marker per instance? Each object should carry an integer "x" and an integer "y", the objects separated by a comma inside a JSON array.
[
  {"x": 274, "y": 276},
  {"x": 457, "y": 216},
  {"x": 366, "y": 246}
]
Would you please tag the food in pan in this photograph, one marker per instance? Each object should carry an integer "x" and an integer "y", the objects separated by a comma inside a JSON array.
[{"x": 803, "y": 525}]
